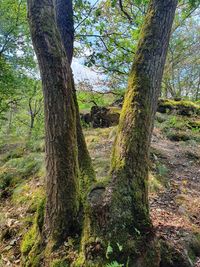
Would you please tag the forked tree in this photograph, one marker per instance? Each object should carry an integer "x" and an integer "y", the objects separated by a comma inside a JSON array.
[{"x": 115, "y": 213}]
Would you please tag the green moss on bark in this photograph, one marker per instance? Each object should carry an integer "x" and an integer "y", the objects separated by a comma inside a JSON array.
[{"x": 32, "y": 243}]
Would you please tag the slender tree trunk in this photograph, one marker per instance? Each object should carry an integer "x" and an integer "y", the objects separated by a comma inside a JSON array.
[
  {"x": 120, "y": 210},
  {"x": 62, "y": 188},
  {"x": 197, "y": 90},
  {"x": 10, "y": 119},
  {"x": 65, "y": 23},
  {"x": 32, "y": 120}
]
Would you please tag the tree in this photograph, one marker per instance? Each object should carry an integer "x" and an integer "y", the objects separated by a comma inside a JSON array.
[
  {"x": 62, "y": 186},
  {"x": 65, "y": 23},
  {"x": 116, "y": 213},
  {"x": 181, "y": 76},
  {"x": 121, "y": 209},
  {"x": 112, "y": 37},
  {"x": 16, "y": 54}
]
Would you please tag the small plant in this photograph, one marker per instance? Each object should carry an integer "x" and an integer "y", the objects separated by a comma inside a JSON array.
[
  {"x": 109, "y": 250},
  {"x": 114, "y": 264},
  {"x": 173, "y": 121},
  {"x": 59, "y": 263},
  {"x": 162, "y": 170}
]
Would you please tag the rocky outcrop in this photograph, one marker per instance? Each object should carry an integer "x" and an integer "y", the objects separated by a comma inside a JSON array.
[
  {"x": 100, "y": 117},
  {"x": 179, "y": 107}
]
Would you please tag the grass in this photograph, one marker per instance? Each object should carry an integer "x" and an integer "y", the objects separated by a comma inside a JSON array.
[
  {"x": 17, "y": 169},
  {"x": 22, "y": 168},
  {"x": 178, "y": 128},
  {"x": 99, "y": 144}
]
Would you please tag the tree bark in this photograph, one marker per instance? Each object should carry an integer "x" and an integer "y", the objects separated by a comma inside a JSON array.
[
  {"x": 120, "y": 210},
  {"x": 62, "y": 204},
  {"x": 65, "y": 23}
]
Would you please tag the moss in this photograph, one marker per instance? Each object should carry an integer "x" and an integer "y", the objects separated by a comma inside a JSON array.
[
  {"x": 31, "y": 246},
  {"x": 40, "y": 214},
  {"x": 194, "y": 124},
  {"x": 28, "y": 240},
  {"x": 114, "y": 110},
  {"x": 155, "y": 184},
  {"x": 59, "y": 263},
  {"x": 171, "y": 257},
  {"x": 17, "y": 152},
  {"x": 178, "y": 136},
  {"x": 182, "y": 107},
  {"x": 194, "y": 246}
]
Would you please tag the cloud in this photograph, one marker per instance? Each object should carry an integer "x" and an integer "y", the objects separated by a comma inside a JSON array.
[{"x": 85, "y": 74}]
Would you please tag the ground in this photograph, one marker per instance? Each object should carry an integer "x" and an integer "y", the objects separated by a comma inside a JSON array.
[{"x": 174, "y": 190}]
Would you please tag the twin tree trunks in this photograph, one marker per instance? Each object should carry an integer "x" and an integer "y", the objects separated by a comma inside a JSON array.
[{"x": 116, "y": 212}]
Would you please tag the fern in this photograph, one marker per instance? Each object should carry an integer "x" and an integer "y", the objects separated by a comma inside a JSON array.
[{"x": 114, "y": 264}]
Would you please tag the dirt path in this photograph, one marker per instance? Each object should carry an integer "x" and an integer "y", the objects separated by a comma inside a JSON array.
[{"x": 175, "y": 210}]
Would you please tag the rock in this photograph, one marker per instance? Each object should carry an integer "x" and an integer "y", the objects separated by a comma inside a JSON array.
[
  {"x": 164, "y": 107},
  {"x": 85, "y": 118},
  {"x": 118, "y": 102},
  {"x": 178, "y": 136},
  {"x": 178, "y": 106},
  {"x": 181, "y": 210},
  {"x": 100, "y": 117},
  {"x": 172, "y": 257}
]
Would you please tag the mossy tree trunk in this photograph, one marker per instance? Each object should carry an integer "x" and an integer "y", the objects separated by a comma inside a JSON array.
[
  {"x": 119, "y": 212},
  {"x": 62, "y": 204},
  {"x": 65, "y": 23}
]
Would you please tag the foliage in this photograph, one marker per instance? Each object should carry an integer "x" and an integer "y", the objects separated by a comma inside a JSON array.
[
  {"x": 88, "y": 99},
  {"x": 114, "y": 264},
  {"x": 16, "y": 170},
  {"x": 59, "y": 263},
  {"x": 16, "y": 54},
  {"x": 110, "y": 36}
]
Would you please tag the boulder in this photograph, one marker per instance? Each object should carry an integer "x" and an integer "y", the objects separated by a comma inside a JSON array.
[
  {"x": 179, "y": 107},
  {"x": 118, "y": 102},
  {"x": 85, "y": 118},
  {"x": 100, "y": 117}
]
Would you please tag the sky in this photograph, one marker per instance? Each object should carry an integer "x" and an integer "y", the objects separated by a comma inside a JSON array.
[{"x": 83, "y": 73}]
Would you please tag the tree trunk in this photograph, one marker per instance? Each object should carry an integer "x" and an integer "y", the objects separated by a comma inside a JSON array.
[
  {"x": 120, "y": 210},
  {"x": 65, "y": 23},
  {"x": 62, "y": 204}
]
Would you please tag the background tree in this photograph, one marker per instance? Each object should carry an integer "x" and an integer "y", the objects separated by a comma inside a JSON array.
[
  {"x": 17, "y": 64},
  {"x": 181, "y": 77},
  {"x": 113, "y": 36}
]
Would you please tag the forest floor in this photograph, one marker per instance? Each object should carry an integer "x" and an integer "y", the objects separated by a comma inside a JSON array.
[{"x": 174, "y": 192}]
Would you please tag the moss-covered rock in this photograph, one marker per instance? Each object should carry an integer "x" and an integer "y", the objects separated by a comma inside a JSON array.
[
  {"x": 172, "y": 257},
  {"x": 178, "y": 136},
  {"x": 194, "y": 124},
  {"x": 181, "y": 107},
  {"x": 194, "y": 246}
]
